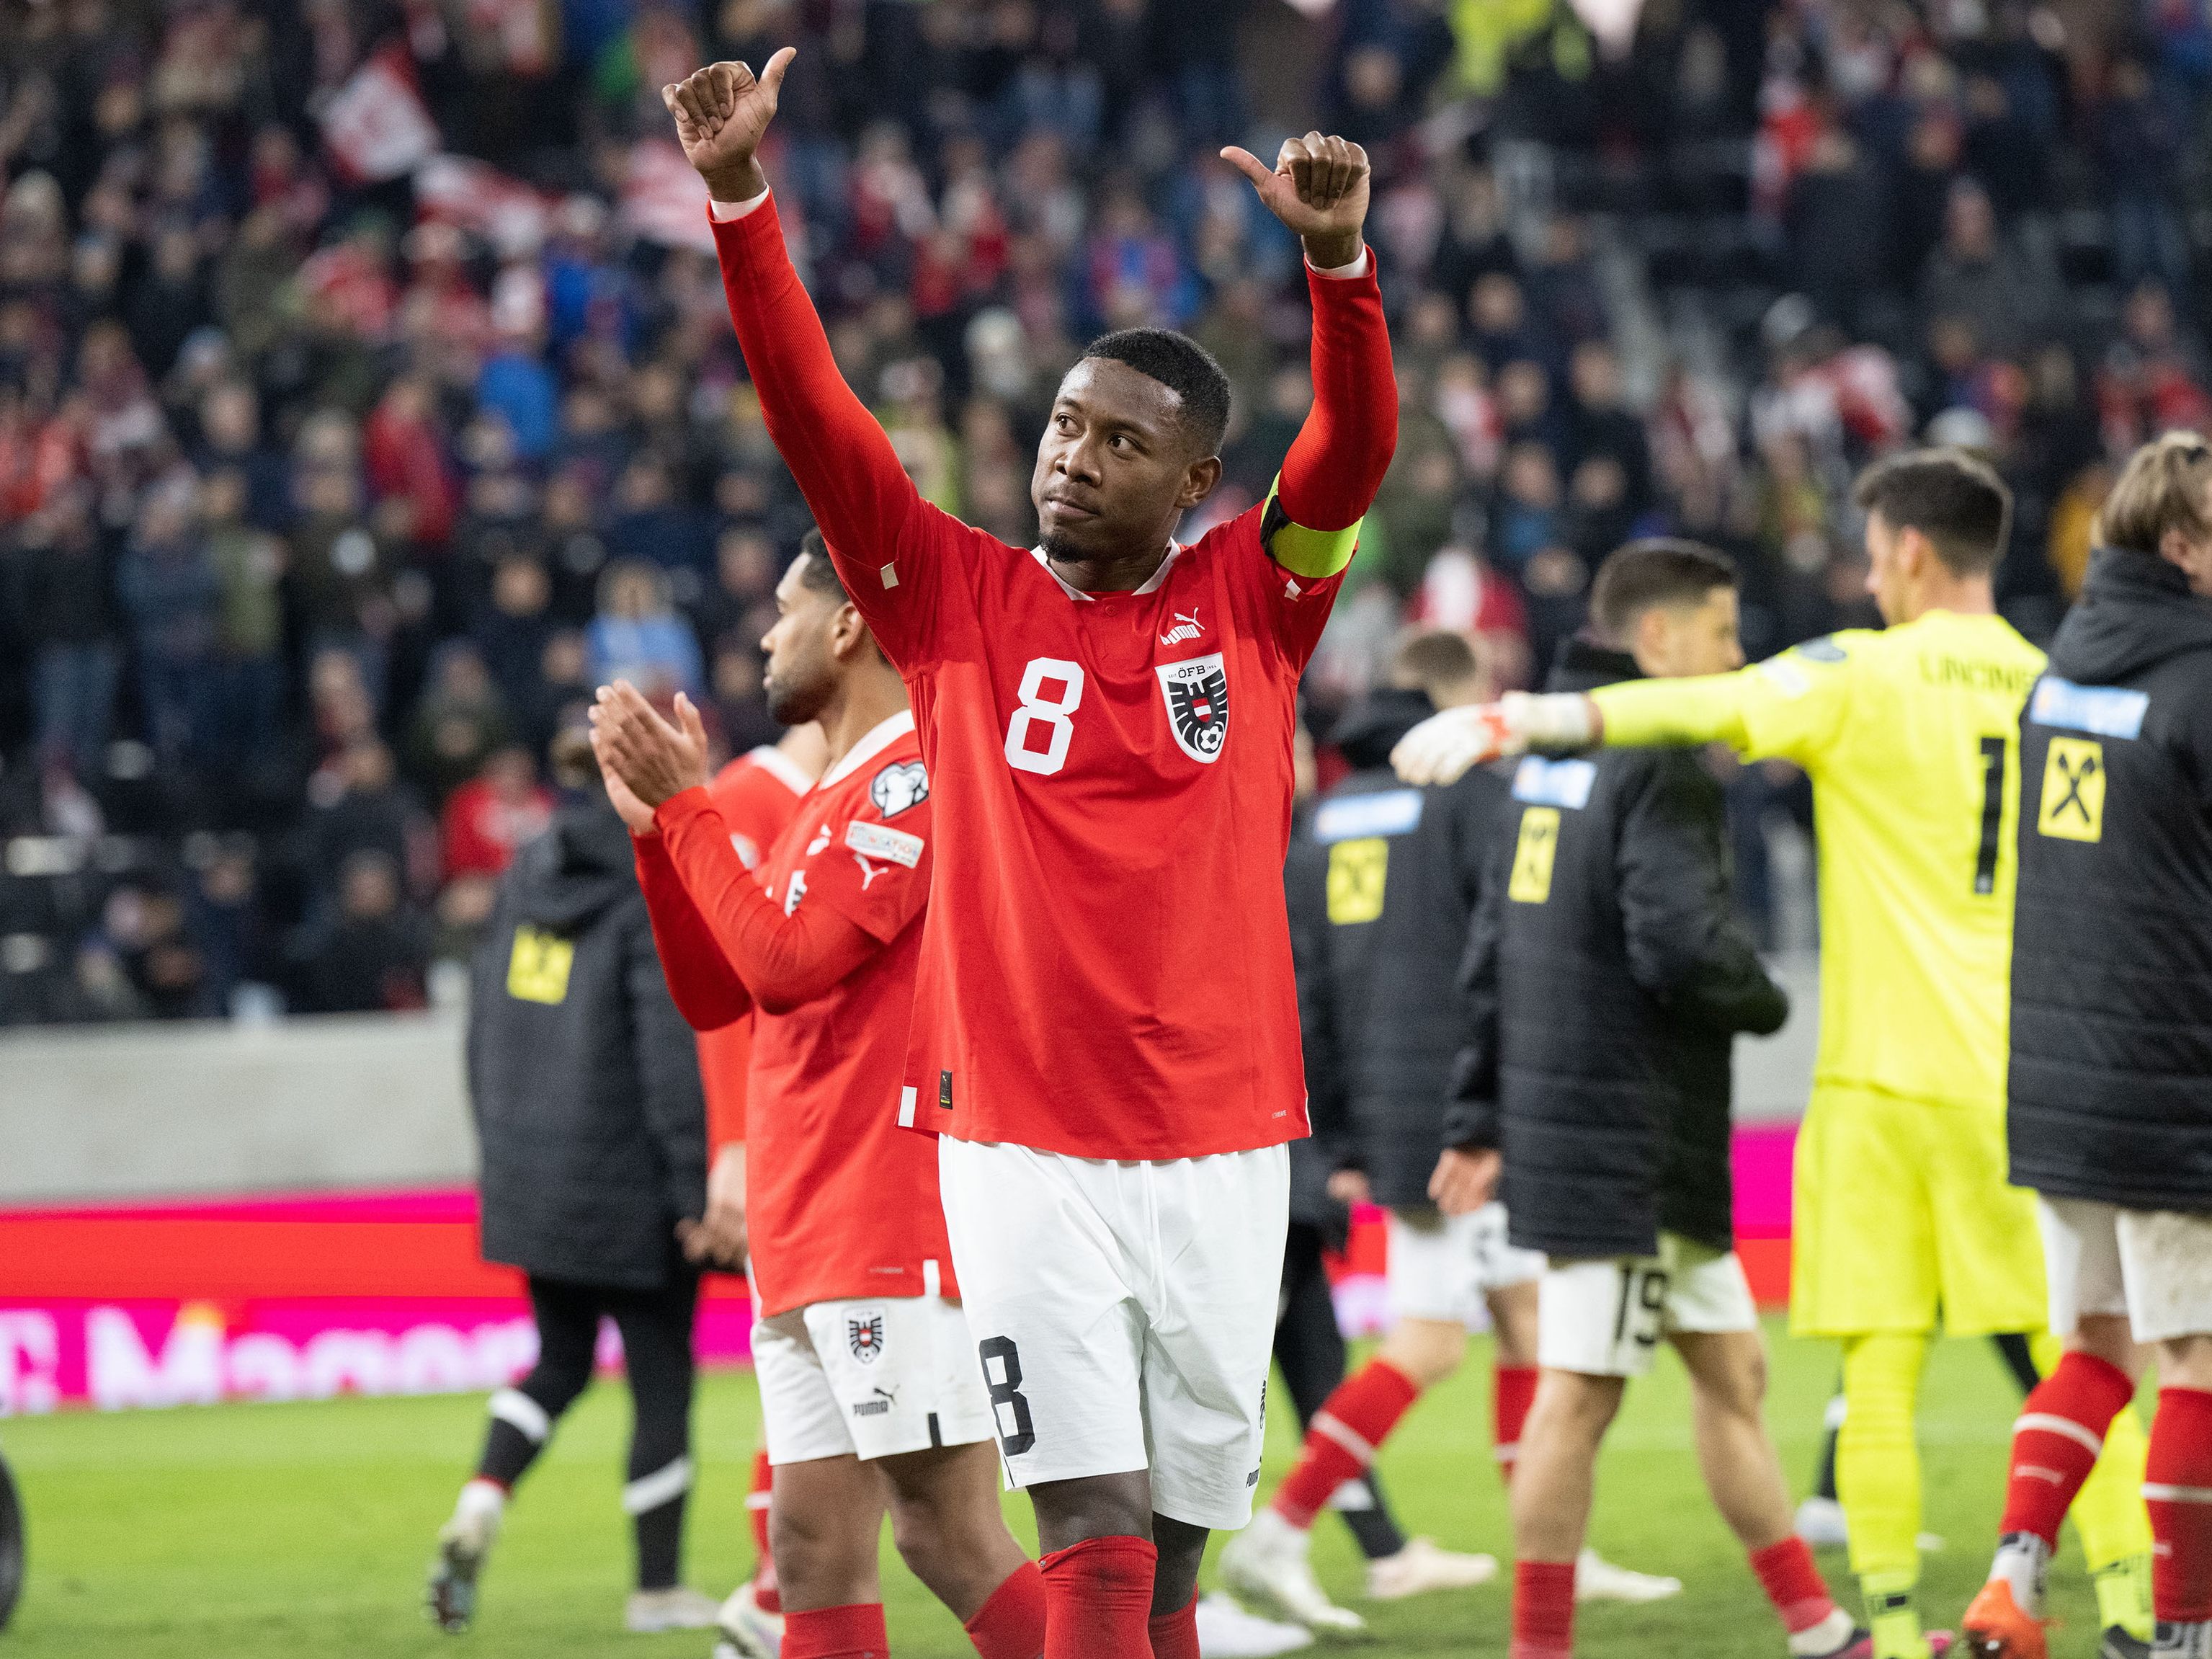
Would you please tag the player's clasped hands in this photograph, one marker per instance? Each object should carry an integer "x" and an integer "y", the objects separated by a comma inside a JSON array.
[{"x": 640, "y": 755}]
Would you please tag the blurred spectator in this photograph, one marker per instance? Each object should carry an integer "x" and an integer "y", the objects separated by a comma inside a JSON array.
[
  {"x": 2141, "y": 139},
  {"x": 458, "y": 724},
  {"x": 375, "y": 955},
  {"x": 172, "y": 594},
  {"x": 489, "y": 816},
  {"x": 637, "y": 636},
  {"x": 249, "y": 568},
  {"x": 69, "y": 621},
  {"x": 356, "y": 803},
  {"x": 1975, "y": 272}
]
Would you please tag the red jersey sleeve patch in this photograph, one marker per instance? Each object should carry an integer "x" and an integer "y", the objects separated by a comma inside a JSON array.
[{"x": 872, "y": 868}]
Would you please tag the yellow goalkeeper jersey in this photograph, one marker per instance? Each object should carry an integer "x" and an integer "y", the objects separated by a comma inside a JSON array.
[{"x": 1912, "y": 738}]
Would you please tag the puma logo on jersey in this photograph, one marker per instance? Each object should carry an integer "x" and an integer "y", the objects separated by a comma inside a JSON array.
[
  {"x": 868, "y": 871},
  {"x": 821, "y": 840},
  {"x": 1186, "y": 628}
]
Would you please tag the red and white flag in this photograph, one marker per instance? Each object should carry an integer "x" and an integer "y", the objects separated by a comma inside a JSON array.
[
  {"x": 475, "y": 197},
  {"x": 376, "y": 124},
  {"x": 663, "y": 200}
]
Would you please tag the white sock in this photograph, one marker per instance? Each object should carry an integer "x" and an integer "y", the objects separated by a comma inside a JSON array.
[
  {"x": 480, "y": 1503},
  {"x": 1272, "y": 1530},
  {"x": 1830, "y": 1634},
  {"x": 2020, "y": 1561}
]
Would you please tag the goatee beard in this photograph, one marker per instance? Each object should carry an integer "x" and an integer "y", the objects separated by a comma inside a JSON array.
[{"x": 1057, "y": 547}]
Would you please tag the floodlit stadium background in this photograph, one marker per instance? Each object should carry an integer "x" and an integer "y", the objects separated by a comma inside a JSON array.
[{"x": 367, "y": 398}]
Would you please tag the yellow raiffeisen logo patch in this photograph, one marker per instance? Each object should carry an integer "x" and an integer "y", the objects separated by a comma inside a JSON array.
[
  {"x": 1532, "y": 855},
  {"x": 537, "y": 971},
  {"x": 1356, "y": 871},
  {"x": 2074, "y": 790}
]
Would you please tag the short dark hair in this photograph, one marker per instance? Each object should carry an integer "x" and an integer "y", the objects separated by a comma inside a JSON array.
[
  {"x": 819, "y": 573},
  {"x": 1184, "y": 368},
  {"x": 1654, "y": 571},
  {"x": 1433, "y": 660},
  {"x": 1957, "y": 501}
]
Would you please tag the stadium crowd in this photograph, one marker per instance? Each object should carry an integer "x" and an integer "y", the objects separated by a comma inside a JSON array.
[{"x": 367, "y": 397}]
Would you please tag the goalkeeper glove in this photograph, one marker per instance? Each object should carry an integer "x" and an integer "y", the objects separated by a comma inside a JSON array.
[{"x": 1442, "y": 748}]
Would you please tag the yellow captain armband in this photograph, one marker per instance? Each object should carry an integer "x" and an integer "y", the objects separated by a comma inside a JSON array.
[{"x": 1313, "y": 554}]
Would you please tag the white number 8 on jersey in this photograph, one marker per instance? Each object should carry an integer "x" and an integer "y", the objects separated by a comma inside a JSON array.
[{"x": 1053, "y": 715}]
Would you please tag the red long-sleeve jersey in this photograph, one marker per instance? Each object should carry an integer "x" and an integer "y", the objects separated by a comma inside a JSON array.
[
  {"x": 821, "y": 943},
  {"x": 1105, "y": 966},
  {"x": 755, "y": 793}
]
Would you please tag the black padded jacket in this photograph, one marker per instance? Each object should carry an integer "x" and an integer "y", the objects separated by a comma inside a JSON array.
[
  {"x": 1382, "y": 879},
  {"x": 2111, "y": 1074},
  {"x": 1606, "y": 976},
  {"x": 583, "y": 1078}
]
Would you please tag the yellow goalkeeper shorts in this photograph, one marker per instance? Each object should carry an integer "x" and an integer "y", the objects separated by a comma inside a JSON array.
[{"x": 1903, "y": 1217}]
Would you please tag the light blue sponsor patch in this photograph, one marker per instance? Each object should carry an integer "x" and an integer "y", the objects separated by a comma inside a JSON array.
[
  {"x": 1348, "y": 818},
  {"x": 2109, "y": 711},
  {"x": 1555, "y": 782}
]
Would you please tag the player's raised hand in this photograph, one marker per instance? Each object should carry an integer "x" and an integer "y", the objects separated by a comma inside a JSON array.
[
  {"x": 656, "y": 759},
  {"x": 1442, "y": 748},
  {"x": 1318, "y": 187},
  {"x": 722, "y": 113}
]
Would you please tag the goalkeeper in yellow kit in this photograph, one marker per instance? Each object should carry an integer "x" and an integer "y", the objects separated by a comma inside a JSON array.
[{"x": 1903, "y": 1214}]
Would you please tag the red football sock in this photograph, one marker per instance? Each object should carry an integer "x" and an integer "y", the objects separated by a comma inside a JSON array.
[
  {"x": 765, "y": 1594},
  {"x": 2055, "y": 1439},
  {"x": 849, "y": 1632},
  {"x": 1792, "y": 1584},
  {"x": 1342, "y": 1439},
  {"x": 1010, "y": 1624},
  {"x": 1543, "y": 1610},
  {"x": 1513, "y": 1390},
  {"x": 1174, "y": 1635},
  {"x": 1098, "y": 1598},
  {"x": 2178, "y": 1487}
]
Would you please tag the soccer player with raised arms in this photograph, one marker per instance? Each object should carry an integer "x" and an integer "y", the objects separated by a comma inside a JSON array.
[
  {"x": 1105, "y": 1026},
  {"x": 1911, "y": 736}
]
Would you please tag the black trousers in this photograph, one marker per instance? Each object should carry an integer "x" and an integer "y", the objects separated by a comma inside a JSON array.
[
  {"x": 656, "y": 1332},
  {"x": 1309, "y": 1348}
]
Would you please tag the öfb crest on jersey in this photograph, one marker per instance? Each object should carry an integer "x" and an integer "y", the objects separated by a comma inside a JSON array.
[{"x": 1197, "y": 694}]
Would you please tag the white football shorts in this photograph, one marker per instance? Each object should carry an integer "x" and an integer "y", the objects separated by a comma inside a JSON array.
[
  {"x": 2154, "y": 1266},
  {"x": 1124, "y": 1313},
  {"x": 1607, "y": 1317},
  {"x": 868, "y": 1379},
  {"x": 1441, "y": 1267}
]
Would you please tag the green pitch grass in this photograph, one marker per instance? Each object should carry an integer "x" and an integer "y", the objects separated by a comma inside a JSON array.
[{"x": 251, "y": 1532}]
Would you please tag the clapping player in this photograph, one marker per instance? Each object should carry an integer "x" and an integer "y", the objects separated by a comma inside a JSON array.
[{"x": 869, "y": 1390}]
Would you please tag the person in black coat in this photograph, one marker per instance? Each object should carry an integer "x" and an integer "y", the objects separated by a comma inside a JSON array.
[
  {"x": 584, "y": 1081},
  {"x": 1608, "y": 975},
  {"x": 2109, "y": 1113},
  {"x": 1380, "y": 881}
]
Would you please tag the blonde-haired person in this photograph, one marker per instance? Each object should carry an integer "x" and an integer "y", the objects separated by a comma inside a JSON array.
[{"x": 2109, "y": 1109}]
